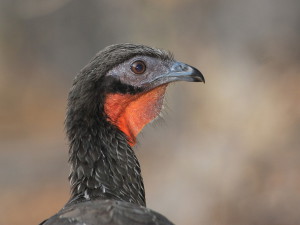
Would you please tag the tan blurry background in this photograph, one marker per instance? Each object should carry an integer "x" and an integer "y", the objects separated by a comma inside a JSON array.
[{"x": 226, "y": 153}]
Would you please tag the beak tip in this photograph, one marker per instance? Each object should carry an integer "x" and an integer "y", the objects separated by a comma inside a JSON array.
[
  {"x": 203, "y": 79},
  {"x": 198, "y": 76}
]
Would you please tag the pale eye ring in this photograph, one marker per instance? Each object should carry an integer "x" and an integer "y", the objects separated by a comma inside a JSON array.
[{"x": 138, "y": 67}]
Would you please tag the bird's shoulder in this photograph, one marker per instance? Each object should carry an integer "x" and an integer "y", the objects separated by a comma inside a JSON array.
[{"x": 106, "y": 212}]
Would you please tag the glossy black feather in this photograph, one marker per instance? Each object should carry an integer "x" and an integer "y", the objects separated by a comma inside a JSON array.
[{"x": 107, "y": 212}]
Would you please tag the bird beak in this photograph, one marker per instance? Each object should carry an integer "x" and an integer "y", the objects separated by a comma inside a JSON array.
[
  {"x": 178, "y": 71},
  {"x": 182, "y": 72}
]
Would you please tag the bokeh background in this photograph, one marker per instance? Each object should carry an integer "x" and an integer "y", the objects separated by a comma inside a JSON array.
[{"x": 226, "y": 153}]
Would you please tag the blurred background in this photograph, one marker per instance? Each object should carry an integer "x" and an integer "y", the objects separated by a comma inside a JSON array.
[{"x": 226, "y": 153}]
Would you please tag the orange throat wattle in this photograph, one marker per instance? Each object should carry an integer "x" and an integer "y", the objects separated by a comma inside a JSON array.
[{"x": 130, "y": 113}]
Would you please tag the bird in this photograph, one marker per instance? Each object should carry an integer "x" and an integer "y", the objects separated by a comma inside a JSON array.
[{"x": 112, "y": 98}]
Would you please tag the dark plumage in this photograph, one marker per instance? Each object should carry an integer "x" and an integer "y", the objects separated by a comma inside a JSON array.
[{"x": 112, "y": 98}]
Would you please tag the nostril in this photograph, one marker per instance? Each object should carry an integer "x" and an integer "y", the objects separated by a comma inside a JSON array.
[
  {"x": 184, "y": 67},
  {"x": 180, "y": 67}
]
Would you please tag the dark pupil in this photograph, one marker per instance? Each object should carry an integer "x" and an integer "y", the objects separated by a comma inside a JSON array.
[{"x": 139, "y": 67}]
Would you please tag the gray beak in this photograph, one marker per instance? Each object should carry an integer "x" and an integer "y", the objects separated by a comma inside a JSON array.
[{"x": 181, "y": 71}]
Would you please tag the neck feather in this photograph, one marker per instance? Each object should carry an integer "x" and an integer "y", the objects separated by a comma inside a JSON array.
[{"x": 103, "y": 165}]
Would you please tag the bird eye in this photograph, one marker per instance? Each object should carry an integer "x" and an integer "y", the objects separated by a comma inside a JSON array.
[{"x": 138, "y": 67}]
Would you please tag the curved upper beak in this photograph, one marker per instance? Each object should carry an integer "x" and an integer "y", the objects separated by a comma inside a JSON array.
[
  {"x": 178, "y": 71},
  {"x": 181, "y": 71}
]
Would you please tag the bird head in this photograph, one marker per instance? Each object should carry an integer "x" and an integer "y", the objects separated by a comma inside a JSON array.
[{"x": 125, "y": 85}]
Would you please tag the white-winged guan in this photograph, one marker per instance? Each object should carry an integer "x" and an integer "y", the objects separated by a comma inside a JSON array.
[{"x": 111, "y": 100}]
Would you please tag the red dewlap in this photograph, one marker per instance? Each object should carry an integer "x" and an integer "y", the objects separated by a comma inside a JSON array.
[{"x": 130, "y": 113}]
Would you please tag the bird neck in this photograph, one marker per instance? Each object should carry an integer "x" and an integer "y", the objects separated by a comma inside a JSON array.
[{"x": 103, "y": 165}]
